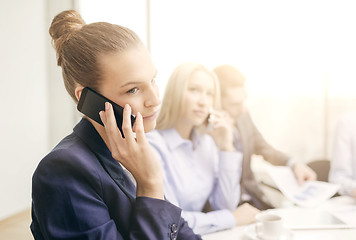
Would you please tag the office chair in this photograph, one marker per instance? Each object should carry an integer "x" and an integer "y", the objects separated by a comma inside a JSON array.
[{"x": 321, "y": 168}]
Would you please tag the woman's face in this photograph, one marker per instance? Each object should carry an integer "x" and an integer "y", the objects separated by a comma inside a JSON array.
[
  {"x": 232, "y": 101},
  {"x": 198, "y": 98},
  {"x": 129, "y": 78}
]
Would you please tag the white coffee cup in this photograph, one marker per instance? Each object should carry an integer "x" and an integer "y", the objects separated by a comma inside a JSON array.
[{"x": 269, "y": 226}]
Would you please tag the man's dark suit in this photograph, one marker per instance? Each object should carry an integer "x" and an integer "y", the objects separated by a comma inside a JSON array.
[
  {"x": 253, "y": 143},
  {"x": 80, "y": 192}
]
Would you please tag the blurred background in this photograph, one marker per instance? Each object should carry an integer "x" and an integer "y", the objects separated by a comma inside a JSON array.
[{"x": 298, "y": 58}]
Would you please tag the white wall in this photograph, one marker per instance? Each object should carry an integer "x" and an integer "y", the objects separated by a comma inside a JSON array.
[
  {"x": 131, "y": 14},
  {"x": 24, "y": 120},
  {"x": 34, "y": 111}
]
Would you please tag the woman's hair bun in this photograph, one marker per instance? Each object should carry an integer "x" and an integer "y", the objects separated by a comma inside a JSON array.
[{"x": 62, "y": 28}]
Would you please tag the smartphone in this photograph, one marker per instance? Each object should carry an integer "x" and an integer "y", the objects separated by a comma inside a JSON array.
[
  {"x": 209, "y": 120},
  {"x": 91, "y": 103}
]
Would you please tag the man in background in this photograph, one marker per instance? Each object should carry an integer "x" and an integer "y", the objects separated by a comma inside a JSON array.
[{"x": 249, "y": 140}]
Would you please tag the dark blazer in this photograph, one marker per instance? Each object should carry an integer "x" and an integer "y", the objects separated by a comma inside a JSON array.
[
  {"x": 80, "y": 192},
  {"x": 253, "y": 143}
]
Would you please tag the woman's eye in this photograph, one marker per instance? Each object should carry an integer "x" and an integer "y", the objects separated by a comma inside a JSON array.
[{"x": 132, "y": 90}]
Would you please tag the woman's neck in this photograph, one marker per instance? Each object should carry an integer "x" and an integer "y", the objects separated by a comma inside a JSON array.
[{"x": 184, "y": 130}]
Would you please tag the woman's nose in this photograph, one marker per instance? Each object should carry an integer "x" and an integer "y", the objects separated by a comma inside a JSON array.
[
  {"x": 152, "y": 98},
  {"x": 203, "y": 99}
]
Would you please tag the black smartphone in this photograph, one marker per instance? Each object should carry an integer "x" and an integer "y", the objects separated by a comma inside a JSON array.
[
  {"x": 91, "y": 103},
  {"x": 209, "y": 120}
]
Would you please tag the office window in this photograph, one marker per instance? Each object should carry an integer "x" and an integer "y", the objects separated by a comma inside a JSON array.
[
  {"x": 297, "y": 56},
  {"x": 131, "y": 14}
]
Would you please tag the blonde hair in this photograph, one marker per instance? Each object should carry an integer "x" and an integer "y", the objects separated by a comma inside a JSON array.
[
  {"x": 79, "y": 45},
  {"x": 229, "y": 77},
  {"x": 172, "y": 103}
]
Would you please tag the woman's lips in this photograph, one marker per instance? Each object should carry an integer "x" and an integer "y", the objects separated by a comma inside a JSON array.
[
  {"x": 151, "y": 117},
  {"x": 200, "y": 113}
]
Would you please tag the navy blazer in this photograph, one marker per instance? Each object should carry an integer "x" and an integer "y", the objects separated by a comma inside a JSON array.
[{"x": 80, "y": 192}]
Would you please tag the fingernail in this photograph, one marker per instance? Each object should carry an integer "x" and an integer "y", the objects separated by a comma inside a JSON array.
[
  {"x": 107, "y": 106},
  {"x": 102, "y": 117},
  {"x": 127, "y": 107}
]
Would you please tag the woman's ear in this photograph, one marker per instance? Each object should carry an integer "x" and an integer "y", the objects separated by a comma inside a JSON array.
[{"x": 78, "y": 91}]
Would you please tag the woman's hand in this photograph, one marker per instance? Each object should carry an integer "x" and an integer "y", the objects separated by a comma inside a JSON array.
[
  {"x": 221, "y": 130},
  {"x": 135, "y": 154},
  {"x": 245, "y": 214}
]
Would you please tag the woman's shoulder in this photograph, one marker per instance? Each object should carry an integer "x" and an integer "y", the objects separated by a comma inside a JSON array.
[
  {"x": 70, "y": 156},
  {"x": 161, "y": 141},
  {"x": 152, "y": 135},
  {"x": 157, "y": 137}
]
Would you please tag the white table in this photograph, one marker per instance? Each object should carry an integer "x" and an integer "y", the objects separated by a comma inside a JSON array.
[{"x": 237, "y": 233}]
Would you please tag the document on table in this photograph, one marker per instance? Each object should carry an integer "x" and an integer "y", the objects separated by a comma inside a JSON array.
[{"x": 310, "y": 194}]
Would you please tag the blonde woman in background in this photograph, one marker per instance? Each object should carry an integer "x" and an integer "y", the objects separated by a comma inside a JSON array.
[{"x": 199, "y": 167}]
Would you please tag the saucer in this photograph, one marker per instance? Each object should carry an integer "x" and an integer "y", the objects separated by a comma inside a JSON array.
[{"x": 250, "y": 234}]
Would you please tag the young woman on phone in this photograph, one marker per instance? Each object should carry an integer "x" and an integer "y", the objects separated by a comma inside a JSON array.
[
  {"x": 195, "y": 145},
  {"x": 81, "y": 189}
]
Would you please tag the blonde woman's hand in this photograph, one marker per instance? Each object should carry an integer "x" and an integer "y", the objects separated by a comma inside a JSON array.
[
  {"x": 245, "y": 214},
  {"x": 221, "y": 130},
  {"x": 135, "y": 154}
]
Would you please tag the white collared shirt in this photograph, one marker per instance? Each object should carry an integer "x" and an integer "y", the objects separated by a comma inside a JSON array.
[{"x": 343, "y": 164}]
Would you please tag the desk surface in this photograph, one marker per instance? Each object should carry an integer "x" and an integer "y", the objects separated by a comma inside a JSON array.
[{"x": 244, "y": 232}]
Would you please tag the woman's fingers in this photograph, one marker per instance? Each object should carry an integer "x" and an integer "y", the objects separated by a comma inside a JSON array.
[
  {"x": 102, "y": 117},
  {"x": 140, "y": 131},
  {"x": 127, "y": 125},
  {"x": 218, "y": 124},
  {"x": 112, "y": 132},
  {"x": 220, "y": 119},
  {"x": 111, "y": 125},
  {"x": 122, "y": 147}
]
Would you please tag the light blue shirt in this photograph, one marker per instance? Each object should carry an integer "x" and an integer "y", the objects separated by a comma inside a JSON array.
[{"x": 196, "y": 171}]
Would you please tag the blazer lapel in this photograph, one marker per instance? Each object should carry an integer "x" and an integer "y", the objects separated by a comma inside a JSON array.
[
  {"x": 118, "y": 175},
  {"x": 86, "y": 131}
]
